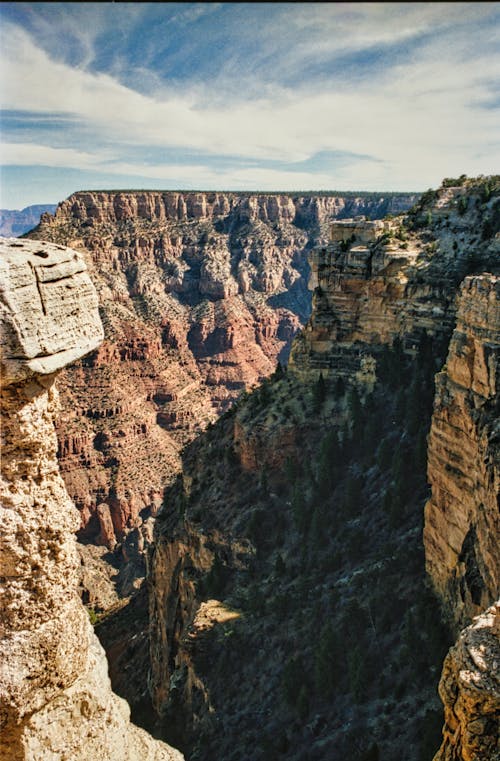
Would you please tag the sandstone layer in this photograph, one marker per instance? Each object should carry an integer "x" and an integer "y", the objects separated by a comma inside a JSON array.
[
  {"x": 462, "y": 522},
  {"x": 377, "y": 282},
  {"x": 55, "y": 697},
  {"x": 470, "y": 691},
  {"x": 201, "y": 295}
]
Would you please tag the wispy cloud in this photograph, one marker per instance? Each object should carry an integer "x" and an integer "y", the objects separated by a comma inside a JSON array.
[{"x": 398, "y": 89}]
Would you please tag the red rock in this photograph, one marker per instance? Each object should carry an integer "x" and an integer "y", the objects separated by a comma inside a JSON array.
[{"x": 201, "y": 294}]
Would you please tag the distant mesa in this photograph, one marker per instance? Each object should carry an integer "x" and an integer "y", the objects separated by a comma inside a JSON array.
[{"x": 15, "y": 222}]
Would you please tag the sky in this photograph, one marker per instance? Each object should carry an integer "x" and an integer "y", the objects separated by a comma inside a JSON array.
[{"x": 245, "y": 96}]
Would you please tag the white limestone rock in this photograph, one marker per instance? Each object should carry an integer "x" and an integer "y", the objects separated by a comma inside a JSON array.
[
  {"x": 48, "y": 307},
  {"x": 56, "y": 702}
]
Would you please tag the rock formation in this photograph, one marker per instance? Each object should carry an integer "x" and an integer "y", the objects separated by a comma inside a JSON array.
[
  {"x": 462, "y": 522},
  {"x": 55, "y": 697},
  {"x": 330, "y": 459},
  {"x": 470, "y": 691},
  {"x": 380, "y": 281},
  {"x": 17, "y": 222},
  {"x": 201, "y": 294}
]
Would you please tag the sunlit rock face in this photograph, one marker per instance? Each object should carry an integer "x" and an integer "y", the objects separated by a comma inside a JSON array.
[
  {"x": 375, "y": 282},
  {"x": 462, "y": 522},
  {"x": 55, "y": 697},
  {"x": 470, "y": 691}
]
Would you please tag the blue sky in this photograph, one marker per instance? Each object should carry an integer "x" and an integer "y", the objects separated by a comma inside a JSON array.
[{"x": 262, "y": 96}]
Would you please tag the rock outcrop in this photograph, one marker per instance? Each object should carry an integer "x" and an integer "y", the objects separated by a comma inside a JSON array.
[
  {"x": 377, "y": 282},
  {"x": 201, "y": 295},
  {"x": 55, "y": 697},
  {"x": 470, "y": 691},
  {"x": 462, "y": 521}
]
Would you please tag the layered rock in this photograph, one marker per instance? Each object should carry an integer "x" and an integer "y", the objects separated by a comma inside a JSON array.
[
  {"x": 55, "y": 697},
  {"x": 376, "y": 282},
  {"x": 462, "y": 522},
  {"x": 201, "y": 295},
  {"x": 394, "y": 284},
  {"x": 159, "y": 206},
  {"x": 470, "y": 691}
]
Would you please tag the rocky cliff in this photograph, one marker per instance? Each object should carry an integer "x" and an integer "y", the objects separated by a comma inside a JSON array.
[
  {"x": 295, "y": 531},
  {"x": 470, "y": 691},
  {"x": 55, "y": 697},
  {"x": 201, "y": 294},
  {"x": 462, "y": 521},
  {"x": 380, "y": 281}
]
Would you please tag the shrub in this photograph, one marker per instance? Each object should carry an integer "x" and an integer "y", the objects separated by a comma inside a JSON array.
[
  {"x": 93, "y": 615},
  {"x": 356, "y": 671},
  {"x": 292, "y": 679},
  {"x": 326, "y": 670}
]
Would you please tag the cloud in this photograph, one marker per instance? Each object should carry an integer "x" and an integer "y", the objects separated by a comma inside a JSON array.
[{"x": 412, "y": 105}]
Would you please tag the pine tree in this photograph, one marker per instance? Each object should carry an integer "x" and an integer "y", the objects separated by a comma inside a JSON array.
[
  {"x": 326, "y": 667},
  {"x": 319, "y": 393}
]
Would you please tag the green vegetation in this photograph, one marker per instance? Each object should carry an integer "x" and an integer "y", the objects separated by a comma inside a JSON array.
[
  {"x": 335, "y": 614},
  {"x": 93, "y": 615},
  {"x": 449, "y": 182}
]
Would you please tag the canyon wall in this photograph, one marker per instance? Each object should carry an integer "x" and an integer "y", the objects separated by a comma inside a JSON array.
[
  {"x": 462, "y": 521},
  {"x": 55, "y": 696},
  {"x": 384, "y": 309},
  {"x": 200, "y": 296},
  {"x": 377, "y": 282},
  {"x": 15, "y": 222},
  {"x": 380, "y": 282}
]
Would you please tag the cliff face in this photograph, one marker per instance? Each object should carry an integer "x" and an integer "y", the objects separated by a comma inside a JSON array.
[
  {"x": 380, "y": 281},
  {"x": 55, "y": 696},
  {"x": 470, "y": 691},
  {"x": 462, "y": 522},
  {"x": 181, "y": 206},
  {"x": 334, "y": 487},
  {"x": 201, "y": 294}
]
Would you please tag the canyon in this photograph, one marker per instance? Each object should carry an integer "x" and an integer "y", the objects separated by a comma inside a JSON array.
[
  {"x": 297, "y": 522},
  {"x": 14, "y": 222},
  {"x": 200, "y": 295},
  {"x": 55, "y": 695},
  {"x": 316, "y": 509}
]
